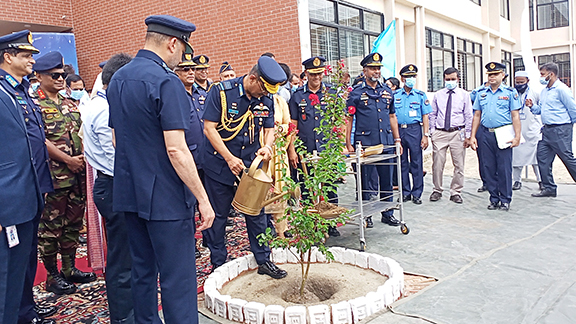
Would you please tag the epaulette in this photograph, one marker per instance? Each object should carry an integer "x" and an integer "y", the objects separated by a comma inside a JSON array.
[
  {"x": 212, "y": 84},
  {"x": 420, "y": 92},
  {"x": 509, "y": 88},
  {"x": 359, "y": 84},
  {"x": 224, "y": 85}
]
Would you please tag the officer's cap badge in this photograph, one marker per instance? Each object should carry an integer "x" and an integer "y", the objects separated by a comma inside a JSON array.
[
  {"x": 376, "y": 57},
  {"x": 202, "y": 59},
  {"x": 411, "y": 68},
  {"x": 316, "y": 62},
  {"x": 492, "y": 65}
]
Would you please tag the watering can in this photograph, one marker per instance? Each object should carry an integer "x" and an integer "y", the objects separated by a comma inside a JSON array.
[{"x": 253, "y": 188}]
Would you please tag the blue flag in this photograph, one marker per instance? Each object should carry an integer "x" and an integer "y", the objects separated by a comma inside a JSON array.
[{"x": 385, "y": 45}]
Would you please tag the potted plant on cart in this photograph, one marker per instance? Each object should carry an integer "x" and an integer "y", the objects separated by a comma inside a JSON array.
[{"x": 311, "y": 217}]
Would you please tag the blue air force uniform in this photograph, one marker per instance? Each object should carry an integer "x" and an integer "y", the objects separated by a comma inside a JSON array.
[
  {"x": 22, "y": 157},
  {"x": 496, "y": 108},
  {"x": 195, "y": 133},
  {"x": 306, "y": 115},
  {"x": 147, "y": 98},
  {"x": 479, "y": 138},
  {"x": 372, "y": 108},
  {"x": 244, "y": 117},
  {"x": 410, "y": 108},
  {"x": 198, "y": 92}
]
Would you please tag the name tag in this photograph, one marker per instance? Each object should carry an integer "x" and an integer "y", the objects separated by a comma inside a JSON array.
[
  {"x": 12, "y": 234},
  {"x": 413, "y": 113}
]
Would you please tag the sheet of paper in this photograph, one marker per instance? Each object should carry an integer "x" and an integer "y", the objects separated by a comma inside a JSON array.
[{"x": 506, "y": 134}]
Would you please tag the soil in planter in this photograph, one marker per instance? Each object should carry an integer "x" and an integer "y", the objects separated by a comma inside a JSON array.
[
  {"x": 329, "y": 210},
  {"x": 328, "y": 283}
]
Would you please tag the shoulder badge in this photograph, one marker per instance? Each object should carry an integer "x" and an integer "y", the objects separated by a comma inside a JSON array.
[
  {"x": 427, "y": 102},
  {"x": 516, "y": 96},
  {"x": 11, "y": 80}
]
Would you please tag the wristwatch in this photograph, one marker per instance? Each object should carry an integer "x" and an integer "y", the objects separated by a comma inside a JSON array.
[{"x": 427, "y": 134}]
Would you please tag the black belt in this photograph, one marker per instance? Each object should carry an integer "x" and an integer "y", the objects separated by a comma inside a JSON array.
[
  {"x": 409, "y": 125},
  {"x": 451, "y": 129},
  {"x": 556, "y": 125},
  {"x": 103, "y": 175}
]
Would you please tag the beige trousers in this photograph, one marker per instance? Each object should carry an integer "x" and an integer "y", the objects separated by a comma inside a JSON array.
[{"x": 441, "y": 141}]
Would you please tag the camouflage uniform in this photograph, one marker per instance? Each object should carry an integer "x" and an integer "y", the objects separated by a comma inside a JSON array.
[{"x": 62, "y": 217}]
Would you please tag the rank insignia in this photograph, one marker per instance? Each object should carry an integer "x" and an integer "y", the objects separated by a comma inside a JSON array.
[
  {"x": 364, "y": 97},
  {"x": 503, "y": 98},
  {"x": 11, "y": 80},
  {"x": 483, "y": 95},
  {"x": 233, "y": 111}
]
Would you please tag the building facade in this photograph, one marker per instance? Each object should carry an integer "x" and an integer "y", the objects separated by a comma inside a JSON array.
[{"x": 433, "y": 35}]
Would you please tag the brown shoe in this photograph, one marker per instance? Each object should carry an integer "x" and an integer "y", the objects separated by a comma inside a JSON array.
[
  {"x": 435, "y": 196},
  {"x": 456, "y": 198}
]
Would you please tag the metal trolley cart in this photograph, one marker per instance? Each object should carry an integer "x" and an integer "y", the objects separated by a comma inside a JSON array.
[{"x": 363, "y": 208}]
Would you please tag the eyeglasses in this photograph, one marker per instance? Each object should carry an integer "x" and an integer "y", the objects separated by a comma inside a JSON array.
[
  {"x": 185, "y": 69},
  {"x": 57, "y": 75}
]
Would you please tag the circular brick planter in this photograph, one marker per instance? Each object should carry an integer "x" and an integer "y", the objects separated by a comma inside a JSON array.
[{"x": 344, "y": 312}]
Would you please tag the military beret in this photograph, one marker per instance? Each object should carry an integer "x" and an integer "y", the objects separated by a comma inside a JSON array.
[
  {"x": 225, "y": 67},
  {"x": 373, "y": 59},
  {"x": 101, "y": 65},
  {"x": 315, "y": 64},
  {"x": 271, "y": 73},
  {"x": 32, "y": 76},
  {"x": 21, "y": 40},
  {"x": 201, "y": 61},
  {"x": 409, "y": 70},
  {"x": 171, "y": 26},
  {"x": 495, "y": 67},
  {"x": 521, "y": 74},
  {"x": 49, "y": 61}
]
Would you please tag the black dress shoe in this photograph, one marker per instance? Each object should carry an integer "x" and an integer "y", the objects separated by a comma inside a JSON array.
[
  {"x": 417, "y": 200},
  {"x": 390, "y": 220},
  {"x": 288, "y": 234},
  {"x": 45, "y": 311},
  {"x": 493, "y": 205},
  {"x": 369, "y": 222},
  {"x": 39, "y": 320},
  {"x": 545, "y": 193},
  {"x": 272, "y": 270},
  {"x": 504, "y": 206},
  {"x": 482, "y": 189},
  {"x": 435, "y": 196},
  {"x": 79, "y": 276},
  {"x": 405, "y": 198},
  {"x": 540, "y": 186},
  {"x": 517, "y": 185},
  {"x": 333, "y": 231},
  {"x": 456, "y": 198}
]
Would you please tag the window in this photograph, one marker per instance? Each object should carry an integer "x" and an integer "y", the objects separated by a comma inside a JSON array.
[
  {"x": 439, "y": 56},
  {"x": 341, "y": 31},
  {"x": 469, "y": 64},
  {"x": 552, "y": 13},
  {"x": 505, "y": 9},
  {"x": 563, "y": 61},
  {"x": 507, "y": 60},
  {"x": 518, "y": 65},
  {"x": 531, "y": 13},
  {"x": 476, "y": 2}
]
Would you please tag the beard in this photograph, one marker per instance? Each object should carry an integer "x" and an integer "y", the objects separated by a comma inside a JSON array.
[{"x": 374, "y": 79}]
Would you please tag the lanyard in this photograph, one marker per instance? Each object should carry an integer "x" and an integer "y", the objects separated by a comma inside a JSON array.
[{"x": 101, "y": 94}]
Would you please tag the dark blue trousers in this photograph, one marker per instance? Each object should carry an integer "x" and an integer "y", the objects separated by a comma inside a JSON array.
[
  {"x": 384, "y": 177},
  {"x": 118, "y": 261},
  {"x": 479, "y": 139},
  {"x": 27, "y": 312},
  {"x": 164, "y": 248},
  {"x": 221, "y": 197},
  {"x": 411, "y": 160},
  {"x": 556, "y": 140},
  {"x": 497, "y": 168},
  {"x": 14, "y": 263}
]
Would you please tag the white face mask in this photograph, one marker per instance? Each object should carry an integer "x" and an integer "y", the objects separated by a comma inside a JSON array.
[
  {"x": 410, "y": 82},
  {"x": 451, "y": 85},
  {"x": 543, "y": 80}
]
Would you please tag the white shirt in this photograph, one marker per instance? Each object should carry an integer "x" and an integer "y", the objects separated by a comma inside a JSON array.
[{"x": 98, "y": 148}]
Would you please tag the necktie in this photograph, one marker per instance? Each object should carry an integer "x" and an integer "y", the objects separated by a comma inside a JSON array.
[{"x": 448, "y": 113}]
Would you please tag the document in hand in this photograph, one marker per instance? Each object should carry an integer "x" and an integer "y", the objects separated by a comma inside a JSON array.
[{"x": 504, "y": 135}]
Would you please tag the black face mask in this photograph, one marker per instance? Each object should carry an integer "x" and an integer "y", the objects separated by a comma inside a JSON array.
[{"x": 521, "y": 87}]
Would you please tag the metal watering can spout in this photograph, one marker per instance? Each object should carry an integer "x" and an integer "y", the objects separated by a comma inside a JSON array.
[{"x": 293, "y": 193}]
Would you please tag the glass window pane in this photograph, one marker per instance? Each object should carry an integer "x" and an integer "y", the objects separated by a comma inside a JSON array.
[
  {"x": 369, "y": 43},
  {"x": 352, "y": 50},
  {"x": 373, "y": 22},
  {"x": 560, "y": 14},
  {"x": 428, "y": 70},
  {"x": 321, "y": 10},
  {"x": 448, "y": 60},
  {"x": 544, "y": 17},
  {"x": 348, "y": 16},
  {"x": 471, "y": 71},
  {"x": 478, "y": 72},
  {"x": 324, "y": 41},
  {"x": 543, "y": 1},
  {"x": 437, "y": 69},
  {"x": 436, "y": 39},
  {"x": 448, "y": 41},
  {"x": 460, "y": 44},
  {"x": 461, "y": 66}
]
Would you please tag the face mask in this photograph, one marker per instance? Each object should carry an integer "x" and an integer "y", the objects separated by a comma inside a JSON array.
[
  {"x": 521, "y": 87},
  {"x": 451, "y": 85},
  {"x": 294, "y": 87},
  {"x": 543, "y": 80},
  {"x": 410, "y": 82},
  {"x": 35, "y": 86},
  {"x": 63, "y": 93},
  {"x": 77, "y": 94}
]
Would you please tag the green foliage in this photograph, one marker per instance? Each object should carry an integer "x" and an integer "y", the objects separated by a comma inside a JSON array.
[{"x": 308, "y": 228}]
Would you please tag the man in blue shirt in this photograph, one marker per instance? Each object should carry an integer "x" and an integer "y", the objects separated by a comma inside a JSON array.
[
  {"x": 494, "y": 107},
  {"x": 236, "y": 111},
  {"x": 558, "y": 111},
  {"x": 372, "y": 103},
  {"x": 201, "y": 83},
  {"x": 479, "y": 136},
  {"x": 22, "y": 156},
  {"x": 156, "y": 182},
  {"x": 99, "y": 152},
  {"x": 412, "y": 109}
]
